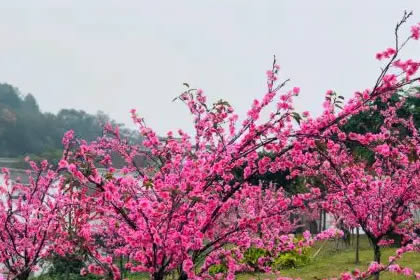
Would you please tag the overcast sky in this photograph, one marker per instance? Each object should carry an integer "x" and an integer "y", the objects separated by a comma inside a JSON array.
[{"x": 117, "y": 55}]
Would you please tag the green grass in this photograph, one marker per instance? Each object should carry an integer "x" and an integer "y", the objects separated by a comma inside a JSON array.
[{"x": 331, "y": 263}]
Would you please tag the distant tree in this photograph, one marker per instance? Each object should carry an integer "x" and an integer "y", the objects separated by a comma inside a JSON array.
[{"x": 10, "y": 96}]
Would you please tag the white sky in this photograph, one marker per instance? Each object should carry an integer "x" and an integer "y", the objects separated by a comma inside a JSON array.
[{"x": 117, "y": 55}]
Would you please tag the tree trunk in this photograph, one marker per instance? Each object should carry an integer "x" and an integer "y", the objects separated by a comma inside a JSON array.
[
  {"x": 183, "y": 276},
  {"x": 320, "y": 221},
  {"x": 376, "y": 256},
  {"x": 67, "y": 273},
  {"x": 122, "y": 267},
  {"x": 23, "y": 275},
  {"x": 357, "y": 245},
  {"x": 158, "y": 275}
]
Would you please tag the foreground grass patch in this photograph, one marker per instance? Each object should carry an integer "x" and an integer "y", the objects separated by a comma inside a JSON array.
[
  {"x": 329, "y": 262},
  {"x": 332, "y": 262}
]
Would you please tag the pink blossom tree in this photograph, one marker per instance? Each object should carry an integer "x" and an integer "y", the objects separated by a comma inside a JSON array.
[
  {"x": 379, "y": 193},
  {"x": 194, "y": 197},
  {"x": 30, "y": 219}
]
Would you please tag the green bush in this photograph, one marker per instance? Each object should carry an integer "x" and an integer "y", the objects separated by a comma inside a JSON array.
[
  {"x": 285, "y": 260},
  {"x": 291, "y": 259},
  {"x": 252, "y": 255},
  {"x": 66, "y": 268},
  {"x": 217, "y": 268}
]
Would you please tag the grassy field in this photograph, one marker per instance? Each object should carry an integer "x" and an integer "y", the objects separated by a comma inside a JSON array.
[
  {"x": 331, "y": 262},
  {"x": 328, "y": 263}
]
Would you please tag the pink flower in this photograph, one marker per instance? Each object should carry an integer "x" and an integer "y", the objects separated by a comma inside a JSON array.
[
  {"x": 415, "y": 31},
  {"x": 394, "y": 268},
  {"x": 306, "y": 235},
  {"x": 68, "y": 136},
  {"x": 386, "y": 54},
  {"x": 346, "y": 276},
  {"x": 83, "y": 272},
  {"x": 188, "y": 264},
  {"x": 63, "y": 164},
  {"x": 374, "y": 267},
  {"x": 407, "y": 271}
]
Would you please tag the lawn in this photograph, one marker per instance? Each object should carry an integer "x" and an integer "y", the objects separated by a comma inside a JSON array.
[{"x": 328, "y": 263}]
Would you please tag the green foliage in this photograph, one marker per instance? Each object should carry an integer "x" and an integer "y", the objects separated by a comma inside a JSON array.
[
  {"x": 292, "y": 259},
  {"x": 52, "y": 155},
  {"x": 285, "y": 260},
  {"x": 371, "y": 121},
  {"x": 252, "y": 255},
  {"x": 66, "y": 268},
  {"x": 412, "y": 106},
  {"x": 336, "y": 100},
  {"x": 68, "y": 264},
  {"x": 217, "y": 268},
  {"x": 279, "y": 178}
]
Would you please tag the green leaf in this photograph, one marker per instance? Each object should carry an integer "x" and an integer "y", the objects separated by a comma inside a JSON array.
[{"x": 297, "y": 117}]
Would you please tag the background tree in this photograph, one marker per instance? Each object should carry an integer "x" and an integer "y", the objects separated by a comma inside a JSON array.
[{"x": 31, "y": 216}]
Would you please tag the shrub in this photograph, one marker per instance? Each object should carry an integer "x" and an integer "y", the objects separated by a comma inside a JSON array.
[{"x": 291, "y": 259}]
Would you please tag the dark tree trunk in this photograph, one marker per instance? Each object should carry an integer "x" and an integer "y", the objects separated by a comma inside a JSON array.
[
  {"x": 23, "y": 276},
  {"x": 67, "y": 273},
  {"x": 376, "y": 256},
  {"x": 357, "y": 245},
  {"x": 183, "y": 276},
  {"x": 158, "y": 275},
  {"x": 313, "y": 227},
  {"x": 122, "y": 267},
  {"x": 320, "y": 221},
  {"x": 377, "y": 253}
]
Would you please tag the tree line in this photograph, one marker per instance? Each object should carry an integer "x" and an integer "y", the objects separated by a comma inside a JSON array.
[{"x": 26, "y": 130}]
